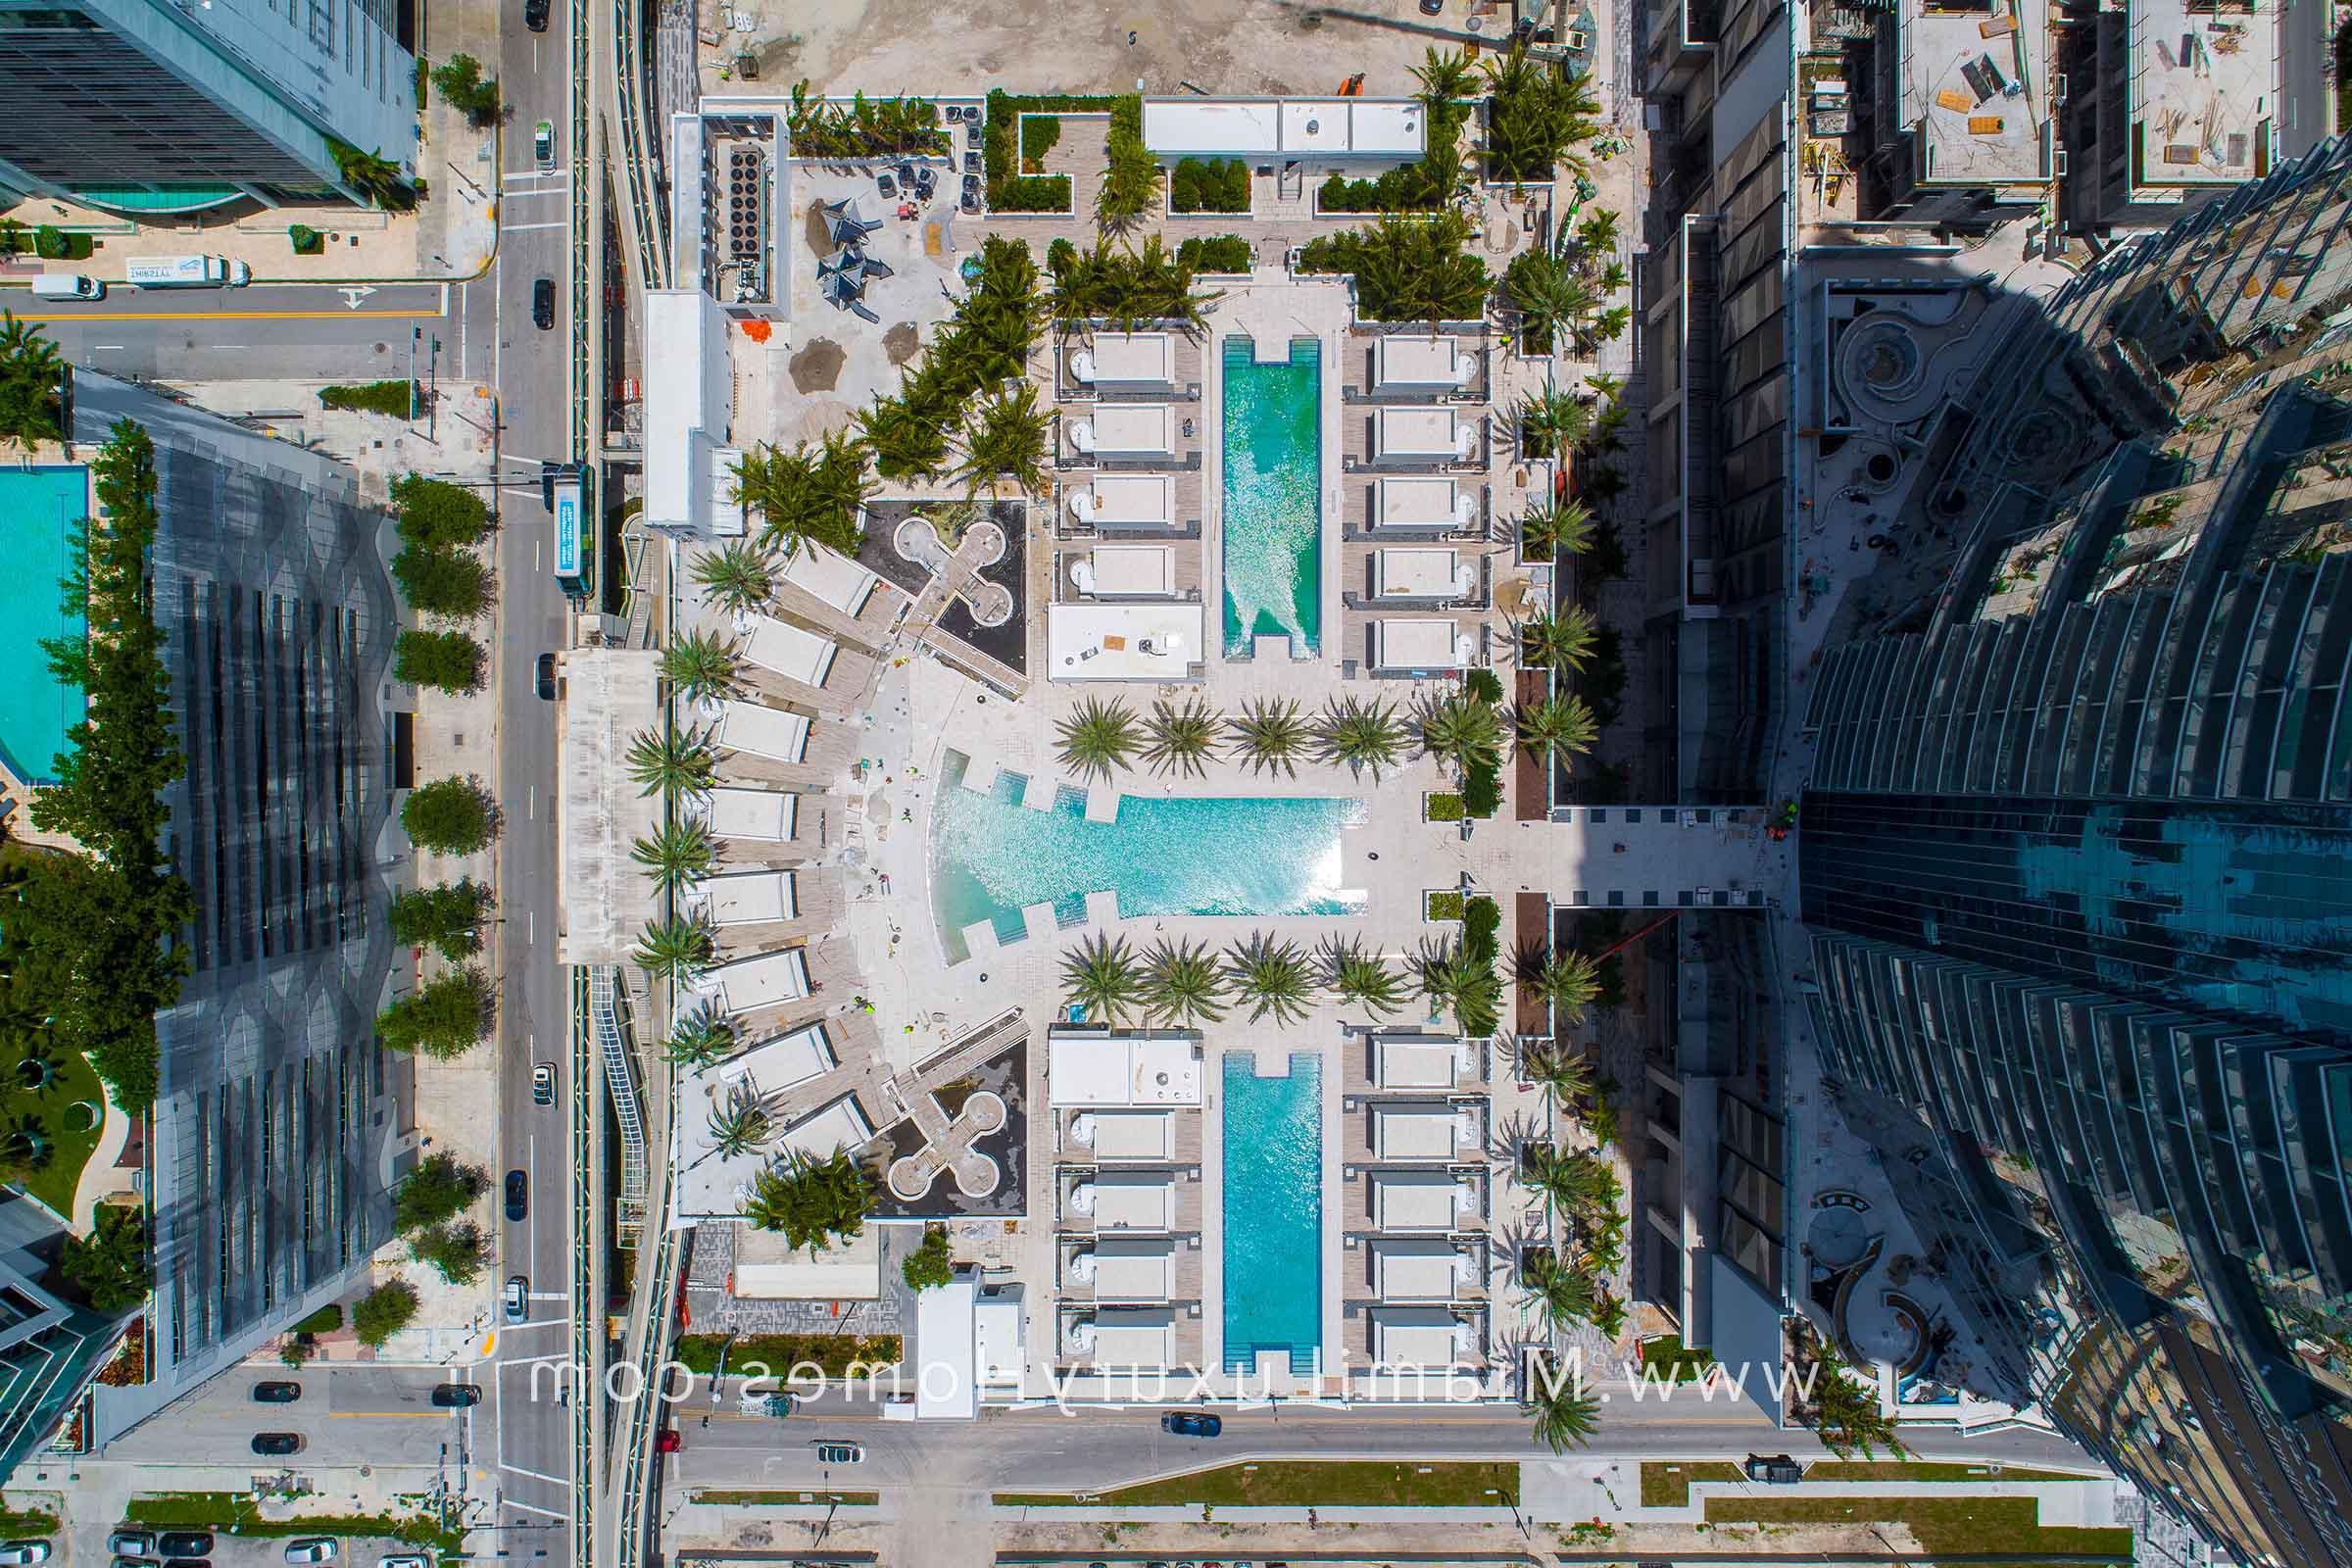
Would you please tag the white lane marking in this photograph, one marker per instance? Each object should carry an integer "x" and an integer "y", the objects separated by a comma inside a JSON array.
[
  {"x": 536, "y": 563},
  {"x": 535, "y": 1475},
  {"x": 536, "y": 1323},
  {"x": 530, "y": 927},
  {"x": 532, "y": 809},
  {"x": 116, "y": 347},
  {"x": 532, "y": 1360},
  {"x": 549, "y": 1295},
  {"x": 532, "y": 1507},
  {"x": 559, "y": 175},
  {"x": 517, "y": 228},
  {"x": 461, "y": 331},
  {"x": 352, "y": 295}
]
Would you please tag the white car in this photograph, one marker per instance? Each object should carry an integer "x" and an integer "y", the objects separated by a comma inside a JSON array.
[
  {"x": 313, "y": 1549},
  {"x": 17, "y": 1552},
  {"x": 410, "y": 1559}
]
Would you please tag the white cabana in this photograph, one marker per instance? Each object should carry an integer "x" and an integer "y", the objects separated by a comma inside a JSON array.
[
  {"x": 1127, "y": 359},
  {"x": 1125, "y": 498},
  {"x": 1414, "y": 1336},
  {"x": 1099, "y": 1069},
  {"x": 1417, "y": 1270},
  {"x": 1421, "y": 501},
  {"x": 1126, "y": 640},
  {"x": 1126, "y": 571},
  {"x": 793, "y": 651},
  {"x": 1420, "y": 1064},
  {"x": 1420, "y": 645},
  {"x": 740, "y": 814},
  {"x": 1126, "y": 429},
  {"x": 1421, "y": 1200},
  {"x": 1131, "y": 1268},
  {"x": 746, "y": 897},
  {"x": 1406, "y": 361},
  {"x": 1415, "y": 1131},
  {"x": 1423, "y": 433},
  {"x": 759, "y": 981},
  {"x": 1141, "y": 1336},
  {"x": 761, "y": 731},
  {"x": 823, "y": 1133},
  {"x": 1422, "y": 574},
  {"x": 836, "y": 579},
  {"x": 1110, "y": 1135},
  {"x": 1122, "y": 1201},
  {"x": 785, "y": 1063}
]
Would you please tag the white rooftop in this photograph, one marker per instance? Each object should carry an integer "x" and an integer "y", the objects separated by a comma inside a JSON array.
[
  {"x": 1134, "y": 1268},
  {"x": 688, "y": 405},
  {"x": 1143, "y": 427},
  {"x": 946, "y": 1337},
  {"x": 746, "y": 897},
  {"x": 612, "y": 693},
  {"x": 1409, "y": 359},
  {"x": 1411, "y": 572},
  {"x": 1135, "y": 1336},
  {"x": 1418, "y": 1200},
  {"x": 759, "y": 981},
  {"x": 1126, "y": 498},
  {"x": 1133, "y": 359},
  {"x": 761, "y": 730},
  {"x": 1415, "y": 1132},
  {"x": 1001, "y": 1335},
  {"x": 1124, "y": 1134},
  {"x": 1127, "y": 641},
  {"x": 1422, "y": 430},
  {"x": 1419, "y": 1064},
  {"x": 1415, "y": 1270},
  {"x": 825, "y": 1132},
  {"x": 740, "y": 814},
  {"x": 1092, "y": 1069},
  {"x": 836, "y": 579},
  {"x": 1129, "y": 1200},
  {"x": 793, "y": 651},
  {"x": 1128, "y": 570},
  {"x": 784, "y": 1062},
  {"x": 1413, "y": 1336},
  {"x": 1248, "y": 128},
  {"x": 1421, "y": 501},
  {"x": 1399, "y": 644}
]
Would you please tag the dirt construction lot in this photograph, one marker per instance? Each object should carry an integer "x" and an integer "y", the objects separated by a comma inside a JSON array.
[{"x": 883, "y": 48}]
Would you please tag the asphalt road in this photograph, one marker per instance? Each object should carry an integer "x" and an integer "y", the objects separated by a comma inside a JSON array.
[
  {"x": 359, "y": 332},
  {"x": 355, "y": 1414}
]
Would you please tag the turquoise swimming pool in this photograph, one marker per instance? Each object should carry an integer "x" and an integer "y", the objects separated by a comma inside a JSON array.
[
  {"x": 41, "y": 512},
  {"x": 991, "y": 858},
  {"x": 1273, "y": 1140},
  {"x": 1273, "y": 512}
]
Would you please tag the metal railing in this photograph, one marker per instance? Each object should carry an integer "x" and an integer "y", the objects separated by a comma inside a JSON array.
[
  {"x": 621, "y": 1078},
  {"x": 587, "y": 1332}
]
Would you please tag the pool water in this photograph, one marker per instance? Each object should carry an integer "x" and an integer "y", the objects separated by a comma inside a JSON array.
[
  {"x": 991, "y": 858},
  {"x": 41, "y": 512},
  {"x": 1273, "y": 1138},
  {"x": 1273, "y": 513}
]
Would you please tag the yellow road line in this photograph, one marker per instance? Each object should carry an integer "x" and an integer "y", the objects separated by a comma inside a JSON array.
[{"x": 95, "y": 318}]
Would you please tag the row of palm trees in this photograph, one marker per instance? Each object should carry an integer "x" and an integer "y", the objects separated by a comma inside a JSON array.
[
  {"x": 1101, "y": 737},
  {"x": 1183, "y": 984}
]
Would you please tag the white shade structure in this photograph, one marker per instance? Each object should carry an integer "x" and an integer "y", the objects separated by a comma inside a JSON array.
[
  {"x": 740, "y": 814},
  {"x": 790, "y": 651},
  {"x": 1421, "y": 501},
  {"x": 1408, "y": 361},
  {"x": 761, "y": 731},
  {"x": 836, "y": 579},
  {"x": 1405, "y": 572},
  {"x": 1126, "y": 571},
  {"x": 1420, "y": 645},
  {"x": 1130, "y": 498}
]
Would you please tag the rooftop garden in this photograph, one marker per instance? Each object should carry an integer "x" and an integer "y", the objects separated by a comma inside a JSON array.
[
  {"x": 1433, "y": 182},
  {"x": 1406, "y": 270},
  {"x": 1125, "y": 288},
  {"x": 1538, "y": 112},
  {"x": 863, "y": 127},
  {"x": 1012, "y": 157}
]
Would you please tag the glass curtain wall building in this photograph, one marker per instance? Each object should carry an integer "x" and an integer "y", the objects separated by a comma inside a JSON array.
[{"x": 2078, "y": 864}]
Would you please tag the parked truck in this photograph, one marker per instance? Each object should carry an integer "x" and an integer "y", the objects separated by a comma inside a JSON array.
[
  {"x": 67, "y": 286},
  {"x": 185, "y": 271}
]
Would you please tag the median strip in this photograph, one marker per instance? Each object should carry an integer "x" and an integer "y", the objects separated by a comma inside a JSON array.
[{"x": 1302, "y": 1484}]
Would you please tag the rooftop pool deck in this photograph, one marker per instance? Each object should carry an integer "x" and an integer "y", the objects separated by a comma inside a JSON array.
[
  {"x": 1272, "y": 508},
  {"x": 41, "y": 512}
]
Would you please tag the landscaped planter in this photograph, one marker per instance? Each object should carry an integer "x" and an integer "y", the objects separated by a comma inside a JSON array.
[{"x": 1441, "y": 904}]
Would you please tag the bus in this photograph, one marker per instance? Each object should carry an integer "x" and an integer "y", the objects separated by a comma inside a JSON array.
[{"x": 566, "y": 489}]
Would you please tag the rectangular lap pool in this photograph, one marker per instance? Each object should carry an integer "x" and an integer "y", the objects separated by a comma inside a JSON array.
[
  {"x": 1273, "y": 1135},
  {"x": 41, "y": 511},
  {"x": 1273, "y": 496}
]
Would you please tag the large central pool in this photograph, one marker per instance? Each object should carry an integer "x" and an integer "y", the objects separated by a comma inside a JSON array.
[
  {"x": 1273, "y": 512},
  {"x": 1273, "y": 1210},
  {"x": 992, "y": 856},
  {"x": 41, "y": 517}
]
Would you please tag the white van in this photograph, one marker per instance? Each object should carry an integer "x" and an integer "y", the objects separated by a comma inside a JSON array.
[{"x": 67, "y": 286}]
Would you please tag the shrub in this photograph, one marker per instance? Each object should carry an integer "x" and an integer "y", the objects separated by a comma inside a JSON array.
[
  {"x": 1032, "y": 193},
  {"x": 1482, "y": 789},
  {"x": 53, "y": 244},
  {"x": 1484, "y": 684},
  {"x": 438, "y": 514},
  {"x": 112, "y": 1264},
  {"x": 1039, "y": 135},
  {"x": 1443, "y": 808},
  {"x": 446, "y": 660},
  {"x": 864, "y": 127},
  {"x": 930, "y": 1265},
  {"x": 1001, "y": 146},
  {"x": 831, "y": 1353},
  {"x": 437, "y": 1191},
  {"x": 1444, "y": 905},
  {"x": 456, "y": 1252},
  {"x": 1218, "y": 185},
  {"x": 326, "y": 1321},
  {"x": 451, "y": 816},
  {"x": 1131, "y": 184},
  {"x": 398, "y": 399},
  {"x": 447, "y": 1019},
  {"x": 383, "y": 1312},
  {"x": 442, "y": 582},
  {"x": 307, "y": 240},
  {"x": 465, "y": 89},
  {"x": 1223, "y": 253},
  {"x": 448, "y": 919}
]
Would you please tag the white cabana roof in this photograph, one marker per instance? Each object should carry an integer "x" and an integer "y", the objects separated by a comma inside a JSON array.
[
  {"x": 1130, "y": 1134},
  {"x": 793, "y": 651},
  {"x": 1409, "y": 359},
  {"x": 740, "y": 814},
  {"x": 1089, "y": 1069},
  {"x": 1129, "y": 640},
  {"x": 1130, "y": 571},
  {"x": 1136, "y": 1337},
  {"x": 836, "y": 579},
  {"x": 1418, "y": 1063},
  {"x": 1416, "y": 501},
  {"x": 1409, "y": 430},
  {"x": 1134, "y": 1268},
  {"x": 1413, "y": 1336},
  {"x": 825, "y": 1132},
  {"x": 785, "y": 1063},
  {"x": 1418, "y": 645},
  {"x": 1413, "y": 1132},
  {"x": 759, "y": 981},
  {"x": 1133, "y": 1200},
  {"x": 761, "y": 731},
  {"x": 1144, "y": 427},
  {"x": 1417, "y": 573},
  {"x": 1414, "y": 1201},
  {"x": 746, "y": 897},
  {"x": 1414, "y": 1271},
  {"x": 1133, "y": 359},
  {"x": 1127, "y": 498}
]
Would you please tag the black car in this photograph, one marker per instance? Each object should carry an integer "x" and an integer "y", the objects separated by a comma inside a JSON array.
[
  {"x": 543, "y": 305},
  {"x": 264, "y": 1443},
  {"x": 971, "y": 193},
  {"x": 519, "y": 1186},
  {"x": 1190, "y": 1424},
  {"x": 184, "y": 1543},
  {"x": 534, "y": 15},
  {"x": 545, "y": 680},
  {"x": 456, "y": 1395},
  {"x": 1777, "y": 1469},
  {"x": 189, "y": 1563},
  {"x": 276, "y": 1392}
]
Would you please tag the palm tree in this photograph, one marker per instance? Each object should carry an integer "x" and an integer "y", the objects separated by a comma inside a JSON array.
[
  {"x": 1272, "y": 977},
  {"x": 1457, "y": 979},
  {"x": 27, "y": 1145},
  {"x": 700, "y": 664},
  {"x": 1444, "y": 74},
  {"x": 1183, "y": 738},
  {"x": 1567, "y": 982},
  {"x": 1565, "y": 1415},
  {"x": 1364, "y": 735},
  {"x": 1556, "y": 642},
  {"x": 1363, "y": 978},
  {"x": 906, "y": 442},
  {"x": 676, "y": 857},
  {"x": 1560, "y": 1071},
  {"x": 1563, "y": 1295},
  {"x": 1596, "y": 233},
  {"x": 737, "y": 578},
  {"x": 1556, "y": 727},
  {"x": 1551, "y": 422},
  {"x": 1549, "y": 294},
  {"x": 30, "y": 370},
  {"x": 698, "y": 1038},
  {"x": 36, "y": 1068},
  {"x": 679, "y": 762},
  {"x": 742, "y": 1124},
  {"x": 675, "y": 950},
  {"x": 1269, "y": 735},
  {"x": 1098, "y": 739},
  {"x": 1462, "y": 728},
  {"x": 1569, "y": 1183},
  {"x": 1183, "y": 985},
  {"x": 1100, "y": 976},
  {"x": 1549, "y": 532},
  {"x": 1006, "y": 438}
]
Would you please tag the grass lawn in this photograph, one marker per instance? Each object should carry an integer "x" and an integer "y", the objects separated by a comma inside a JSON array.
[
  {"x": 787, "y": 1499},
  {"x": 16, "y": 1522},
  {"x": 54, "y": 1183},
  {"x": 1299, "y": 1483},
  {"x": 1840, "y": 1470},
  {"x": 232, "y": 1513},
  {"x": 1668, "y": 1486},
  {"x": 1977, "y": 1525}
]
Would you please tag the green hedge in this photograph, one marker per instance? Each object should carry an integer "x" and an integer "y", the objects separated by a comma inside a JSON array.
[
  {"x": 1441, "y": 906},
  {"x": 234, "y": 1513},
  {"x": 1421, "y": 187},
  {"x": 394, "y": 398},
  {"x": 326, "y": 1321},
  {"x": 1032, "y": 193},
  {"x": 1222, "y": 253},
  {"x": 1218, "y": 185},
  {"x": 1039, "y": 134},
  {"x": 1001, "y": 146},
  {"x": 832, "y": 1353},
  {"x": 306, "y": 241},
  {"x": 1443, "y": 808}
]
